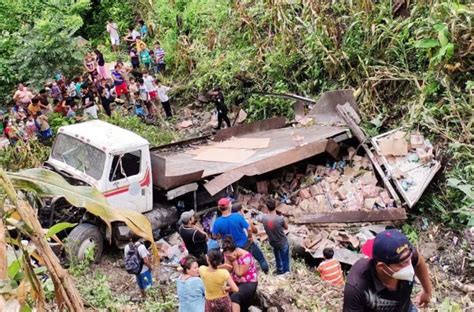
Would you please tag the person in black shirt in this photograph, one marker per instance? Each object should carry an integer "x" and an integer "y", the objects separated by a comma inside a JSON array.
[
  {"x": 385, "y": 282},
  {"x": 194, "y": 238},
  {"x": 218, "y": 99}
]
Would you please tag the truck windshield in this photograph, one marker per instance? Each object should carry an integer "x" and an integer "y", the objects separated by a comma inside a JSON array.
[{"x": 79, "y": 155}]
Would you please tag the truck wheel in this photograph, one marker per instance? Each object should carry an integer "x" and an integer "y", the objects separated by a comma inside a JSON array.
[{"x": 81, "y": 238}]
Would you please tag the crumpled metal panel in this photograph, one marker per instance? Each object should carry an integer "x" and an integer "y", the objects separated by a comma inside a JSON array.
[{"x": 266, "y": 165}]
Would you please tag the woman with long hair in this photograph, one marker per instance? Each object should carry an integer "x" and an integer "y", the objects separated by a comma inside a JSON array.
[
  {"x": 244, "y": 273},
  {"x": 217, "y": 283},
  {"x": 99, "y": 57}
]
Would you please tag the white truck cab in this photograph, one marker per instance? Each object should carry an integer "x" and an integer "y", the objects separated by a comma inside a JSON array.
[{"x": 114, "y": 160}]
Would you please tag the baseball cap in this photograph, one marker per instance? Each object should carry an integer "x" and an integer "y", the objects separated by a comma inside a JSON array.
[
  {"x": 186, "y": 216},
  {"x": 223, "y": 202},
  {"x": 389, "y": 246}
]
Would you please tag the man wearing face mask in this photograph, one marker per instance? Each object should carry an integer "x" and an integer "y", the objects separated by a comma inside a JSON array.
[{"x": 385, "y": 282}]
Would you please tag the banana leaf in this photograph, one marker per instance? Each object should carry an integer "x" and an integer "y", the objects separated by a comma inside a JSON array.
[{"x": 48, "y": 183}]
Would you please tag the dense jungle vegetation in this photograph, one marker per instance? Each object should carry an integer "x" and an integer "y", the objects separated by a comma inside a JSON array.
[{"x": 409, "y": 63}]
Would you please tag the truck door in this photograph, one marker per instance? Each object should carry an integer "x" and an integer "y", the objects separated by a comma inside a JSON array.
[{"x": 128, "y": 181}]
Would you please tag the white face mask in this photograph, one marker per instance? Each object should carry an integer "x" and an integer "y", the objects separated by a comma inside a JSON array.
[{"x": 405, "y": 274}]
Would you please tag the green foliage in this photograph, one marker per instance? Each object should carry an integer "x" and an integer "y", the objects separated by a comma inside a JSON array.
[
  {"x": 38, "y": 40},
  {"x": 24, "y": 155},
  {"x": 161, "y": 299},
  {"x": 95, "y": 20},
  {"x": 156, "y": 135}
]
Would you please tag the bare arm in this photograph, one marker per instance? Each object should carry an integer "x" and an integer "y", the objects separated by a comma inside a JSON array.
[
  {"x": 252, "y": 228},
  {"x": 423, "y": 274},
  {"x": 285, "y": 224},
  {"x": 232, "y": 284},
  {"x": 147, "y": 262},
  {"x": 240, "y": 269}
]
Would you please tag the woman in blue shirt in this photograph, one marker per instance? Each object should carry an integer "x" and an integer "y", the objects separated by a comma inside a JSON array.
[{"x": 190, "y": 287}]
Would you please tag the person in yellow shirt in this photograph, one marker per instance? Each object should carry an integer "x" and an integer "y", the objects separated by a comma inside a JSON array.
[
  {"x": 34, "y": 108},
  {"x": 217, "y": 283}
]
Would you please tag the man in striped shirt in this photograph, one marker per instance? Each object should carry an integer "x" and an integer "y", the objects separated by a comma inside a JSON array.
[{"x": 330, "y": 269}]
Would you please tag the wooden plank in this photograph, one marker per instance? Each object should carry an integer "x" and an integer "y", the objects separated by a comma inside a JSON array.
[
  {"x": 247, "y": 143},
  {"x": 228, "y": 155},
  {"x": 353, "y": 216},
  {"x": 362, "y": 138}
]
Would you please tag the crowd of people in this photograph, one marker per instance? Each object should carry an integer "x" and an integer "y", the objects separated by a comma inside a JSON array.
[
  {"x": 220, "y": 272},
  {"x": 134, "y": 90}
]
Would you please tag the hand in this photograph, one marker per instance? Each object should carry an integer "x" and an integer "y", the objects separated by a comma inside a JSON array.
[{"x": 423, "y": 299}]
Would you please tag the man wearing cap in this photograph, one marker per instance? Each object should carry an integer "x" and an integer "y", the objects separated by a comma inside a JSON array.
[
  {"x": 235, "y": 225},
  {"x": 385, "y": 281},
  {"x": 194, "y": 238}
]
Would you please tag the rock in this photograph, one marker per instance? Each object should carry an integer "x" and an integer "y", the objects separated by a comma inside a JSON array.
[
  {"x": 428, "y": 250},
  {"x": 185, "y": 124}
]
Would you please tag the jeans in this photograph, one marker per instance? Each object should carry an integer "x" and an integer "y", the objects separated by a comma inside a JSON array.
[
  {"x": 257, "y": 253},
  {"x": 282, "y": 258}
]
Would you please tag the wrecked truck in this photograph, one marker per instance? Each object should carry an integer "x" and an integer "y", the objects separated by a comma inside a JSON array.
[{"x": 161, "y": 182}]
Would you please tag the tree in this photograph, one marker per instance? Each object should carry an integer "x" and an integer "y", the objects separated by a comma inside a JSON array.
[{"x": 38, "y": 39}]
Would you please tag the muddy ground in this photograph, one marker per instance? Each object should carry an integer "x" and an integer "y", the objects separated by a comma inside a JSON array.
[{"x": 447, "y": 254}]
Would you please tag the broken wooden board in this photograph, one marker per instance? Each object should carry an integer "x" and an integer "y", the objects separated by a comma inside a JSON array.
[
  {"x": 226, "y": 155},
  {"x": 244, "y": 143},
  {"x": 353, "y": 216}
]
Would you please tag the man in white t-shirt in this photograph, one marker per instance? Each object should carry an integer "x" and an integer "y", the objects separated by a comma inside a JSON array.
[
  {"x": 112, "y": 29},
  {"x": 144, "y": 279}
]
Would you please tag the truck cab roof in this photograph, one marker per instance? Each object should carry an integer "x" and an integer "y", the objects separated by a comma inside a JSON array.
[{"x": 104, "y": 136}]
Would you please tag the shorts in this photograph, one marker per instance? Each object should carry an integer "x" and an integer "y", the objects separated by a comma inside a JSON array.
[
  {"x": 153, "y": 95},
  {"x": 121, "y": 89},
  {"x": 144, "y": 280},
  {"x": 115, "y": 41},
  {"x": 245, "y": 296}
]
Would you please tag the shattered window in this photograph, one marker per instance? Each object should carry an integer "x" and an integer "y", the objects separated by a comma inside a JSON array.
[
  {"x": 125, "y": 165},
  {"x": 79, "y": 155}
]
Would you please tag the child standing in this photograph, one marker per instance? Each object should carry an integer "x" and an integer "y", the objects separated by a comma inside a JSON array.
[
  {"x": 330, "y": 269},
  {"x": 145, "y": 58},
  {"x": 159, "y": 58},
  {"x": 134, "y": 59}
]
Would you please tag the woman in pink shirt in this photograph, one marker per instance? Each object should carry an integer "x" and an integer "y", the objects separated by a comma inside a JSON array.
[{"x": 244, "y": 273}]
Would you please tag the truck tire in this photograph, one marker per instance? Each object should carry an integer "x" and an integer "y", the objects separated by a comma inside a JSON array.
[{"x": 79, "y": 240}]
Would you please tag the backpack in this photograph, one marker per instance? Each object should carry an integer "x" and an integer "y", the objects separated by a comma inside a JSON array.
[{"x": 133, "y": 261}]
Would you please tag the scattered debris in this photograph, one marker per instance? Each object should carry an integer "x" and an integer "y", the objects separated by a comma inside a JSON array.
[{"x": 185, "y": 124}]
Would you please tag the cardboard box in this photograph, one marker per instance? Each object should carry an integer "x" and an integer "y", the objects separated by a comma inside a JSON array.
[
  {"x": 304, "y": 193},
  {"x": 370, "y": 190},
  {"x": 417, "y": 141},
  {"x": 425, "y": 156},
  {"x": 396, "y": 145},
  {"x": 369, "y": 203}
]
